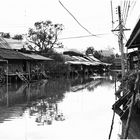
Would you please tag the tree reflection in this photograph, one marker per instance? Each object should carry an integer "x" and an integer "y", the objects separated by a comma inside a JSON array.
[
  {"x": 42, "y": 97},
  {"x": 46, "y": 112}
]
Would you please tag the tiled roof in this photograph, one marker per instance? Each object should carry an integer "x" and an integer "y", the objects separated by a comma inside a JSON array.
[{"x": 12, "y": 54}]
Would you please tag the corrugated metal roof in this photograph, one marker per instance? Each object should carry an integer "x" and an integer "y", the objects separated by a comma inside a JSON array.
[
  {"x": 15, "y": 44},
  {"x": 73, "y": 62},
  {"x": 82, "y": 63},
  {"x": 83, "y": 60},
  {"x": 12, "y": 54},
  {"x": 79, "y": 60},
  {"x": 4, "y": 43},
  {"x": 76, "y": 58},
  {"x": 93, "y": 58},
  {"x": 36, "y": 57},
  {"x": 86, "y": 62},
  {"x": 68, "y": 58}
]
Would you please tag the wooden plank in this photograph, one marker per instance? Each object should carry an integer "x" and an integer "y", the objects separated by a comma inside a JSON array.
[
  {"x": 22, "y": 77},
  {"x": 123, "y": 99},
  {"x": 125, "y": 114}
]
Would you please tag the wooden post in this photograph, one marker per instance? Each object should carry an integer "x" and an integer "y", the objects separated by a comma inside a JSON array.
[
  {"x": 7, "y": 84},
  {"x": 129, "y": 117},
  {"x": 29, "y": 70},
  {"x": 131, "y": 107}
]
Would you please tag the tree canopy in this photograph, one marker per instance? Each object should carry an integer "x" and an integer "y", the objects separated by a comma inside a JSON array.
[
  {"x": 90, "y": 50},
  {"x": 44, "y": 35},
  {"x": 6, "y": 35},
  {"x": 17, "y": 37}
]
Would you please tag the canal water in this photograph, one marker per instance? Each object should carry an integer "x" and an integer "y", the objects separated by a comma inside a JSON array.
[{"x": 59, "y": 109}]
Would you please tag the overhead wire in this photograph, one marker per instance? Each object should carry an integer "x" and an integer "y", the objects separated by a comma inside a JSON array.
[
  {"x": 75, "y": 37},
  {"x": 77, "y": 20},
  {"x": 125, "y": 10},
  {"x": 85, "y": 36},
  {"x": 121, "y": 3},
  {"x": 112, "y": 14},
  {"x": 133, "y": 3},
  {"x": 128, "y": 7}
]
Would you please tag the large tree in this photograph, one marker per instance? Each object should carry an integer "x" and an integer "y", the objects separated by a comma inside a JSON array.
[{"x": 44, "y": 35}]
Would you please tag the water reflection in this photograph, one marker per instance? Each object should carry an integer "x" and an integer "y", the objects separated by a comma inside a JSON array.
[
  {"x": 46, "y": 112},
  {"x": 42, "y": 99},
  {"x": 49, "y": 92},
  {"x": 40, "y": 96},
  {"x": 23, "y": 93},
  {"x": 53, "y": 90}
]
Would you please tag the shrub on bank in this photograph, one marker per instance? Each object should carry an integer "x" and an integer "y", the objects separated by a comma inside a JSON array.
[{"x": 55, "y": 69}]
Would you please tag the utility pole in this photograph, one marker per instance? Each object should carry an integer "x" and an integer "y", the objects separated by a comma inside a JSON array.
[
  {"x": 121, "y": 29},
  {"x": 121, "y": 41}
]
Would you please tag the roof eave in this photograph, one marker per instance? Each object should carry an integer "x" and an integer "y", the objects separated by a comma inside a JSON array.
[{"x": 133, "y": 36}]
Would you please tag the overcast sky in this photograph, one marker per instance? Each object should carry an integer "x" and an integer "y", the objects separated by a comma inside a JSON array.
[{"x": 16, "y": 16}]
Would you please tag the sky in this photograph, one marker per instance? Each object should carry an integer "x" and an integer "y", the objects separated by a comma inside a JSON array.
[{"x": 17, "y": 16}]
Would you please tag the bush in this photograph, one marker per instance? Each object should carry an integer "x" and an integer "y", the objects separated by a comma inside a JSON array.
[{"x": 54, "y": 68}]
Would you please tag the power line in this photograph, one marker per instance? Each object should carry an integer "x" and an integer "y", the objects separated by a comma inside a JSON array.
[
  {"x": 121, "y": 3},
  {"x": 112, "y": 13},
  {"x": 77, "y": 20},
  {"x": 127, "y": 9},
  {"x": 124, "y": 6},
  {"x": 127, "y": 12},
  {"x": 132, "y": 5},
  {"x": 75, "y": 37}
]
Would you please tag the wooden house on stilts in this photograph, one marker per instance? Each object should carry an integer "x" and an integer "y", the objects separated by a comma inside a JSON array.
[{"x": 21, "y": 66}]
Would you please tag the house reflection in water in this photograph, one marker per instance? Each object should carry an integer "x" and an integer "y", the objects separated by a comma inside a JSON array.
[{"x": 41, "y": 98}]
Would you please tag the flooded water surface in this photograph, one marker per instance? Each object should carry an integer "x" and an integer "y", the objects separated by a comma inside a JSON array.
[{"x": 59, "y": 109}]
